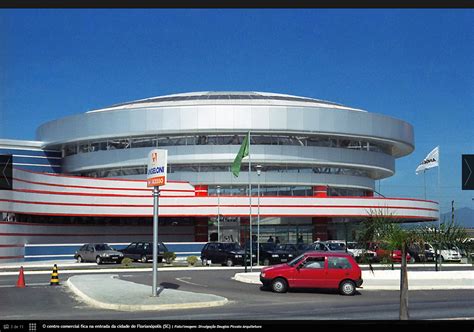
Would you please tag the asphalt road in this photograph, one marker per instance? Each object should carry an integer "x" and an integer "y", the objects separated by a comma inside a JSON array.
[{"x": 39, "y": 301}]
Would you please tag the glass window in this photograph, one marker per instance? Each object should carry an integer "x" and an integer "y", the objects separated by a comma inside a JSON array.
[
  {"x": 132, "y": 246},
  {"x": 100, "y": 247},
  {"x": 313, "y": 263},
  {"x": 338, "y": 263}
]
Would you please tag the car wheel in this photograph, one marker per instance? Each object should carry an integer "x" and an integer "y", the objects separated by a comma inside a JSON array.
[
  {"x": 412, "y": 260},
  {"x": 79, "y": 259},
  {"x": 98, "y": 260},
  {"x": 347, "y": 287},
  {"x": 229, "y": 262},
  {"x": 266, "y": 262},
  {"x": 143, "y": 259},
  {"x": 204, "y": 261},
  {"x": 279, "y": 285}
]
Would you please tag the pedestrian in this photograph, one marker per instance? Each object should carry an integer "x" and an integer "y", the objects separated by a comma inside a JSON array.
[
  {"x": 270, "y": 239},
  {"x": 300, "y": 239},
  {"x": 277, "y": 240}
]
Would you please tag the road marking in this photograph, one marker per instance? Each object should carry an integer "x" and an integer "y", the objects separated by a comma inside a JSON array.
[
  {"x": 34, "y": 284},
  {"x": 188, "y": 282}
]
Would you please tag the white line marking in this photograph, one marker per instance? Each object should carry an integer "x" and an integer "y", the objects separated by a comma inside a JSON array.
[{"x": 189, "y": 282}]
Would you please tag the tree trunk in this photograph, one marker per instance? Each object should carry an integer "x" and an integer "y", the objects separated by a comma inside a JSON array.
[{"x": 404, "y": 286}]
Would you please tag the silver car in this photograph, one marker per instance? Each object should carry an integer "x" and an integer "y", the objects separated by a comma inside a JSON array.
[{"x": 99, "y": 253}]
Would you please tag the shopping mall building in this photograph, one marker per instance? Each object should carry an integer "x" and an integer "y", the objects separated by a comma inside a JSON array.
[{"x": 314, "y": 168}]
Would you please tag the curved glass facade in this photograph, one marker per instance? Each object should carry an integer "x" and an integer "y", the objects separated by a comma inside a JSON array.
[{"x": 209, "y": 139}]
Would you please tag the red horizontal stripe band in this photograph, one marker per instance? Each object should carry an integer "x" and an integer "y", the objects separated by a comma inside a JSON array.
[
  {"x": 11, "y": 257},
  {"x": 99, "y": 188},
  {"x": 108, "y": 234},
  {"x": 82, "y": 177},
  {"x": 11, "y": 245},
  {"x": 424, "y": 218},
  {"x": 223, "y": 205}
]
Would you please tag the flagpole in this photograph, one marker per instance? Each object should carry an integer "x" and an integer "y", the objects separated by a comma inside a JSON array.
[
  {"x": 424, "y": 181},
  {"x": 250, "y": 204},
  {"x": 439, "y": 189}
]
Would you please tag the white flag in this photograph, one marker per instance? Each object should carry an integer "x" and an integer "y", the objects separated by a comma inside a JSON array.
[{"x": 431, "y": 160}]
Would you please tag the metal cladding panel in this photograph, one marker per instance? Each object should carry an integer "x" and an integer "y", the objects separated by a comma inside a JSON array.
[
  {"x": 237, "y": 117},
  {"x": 260, "y": 116},
  {"x": 278, "y": 118}
]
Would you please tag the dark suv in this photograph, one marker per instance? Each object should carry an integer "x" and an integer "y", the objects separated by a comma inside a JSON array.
[
  {"x": 143, "y": 251},
  {"x": 271, "y": 253},
  {"x": 226, "y": 253}
]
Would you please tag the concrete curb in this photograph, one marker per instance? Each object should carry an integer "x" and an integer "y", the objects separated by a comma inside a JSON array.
[{"x": 89, "y": 299}]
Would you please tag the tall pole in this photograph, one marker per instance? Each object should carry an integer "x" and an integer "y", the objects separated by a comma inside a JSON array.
[
  {"x": 156, "y": 196},
  {"x": 250, "y": 203},
  {"x": 218, "y": 214},
  {"x": 259, "y": 171},
  {"x": 424, "y": 181}
]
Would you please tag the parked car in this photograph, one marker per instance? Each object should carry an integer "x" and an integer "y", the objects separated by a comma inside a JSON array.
[
  {"x": 226, "y": 253},
  {"x": 271, "y": 253},
  {"x": 314, "y": 270},
  {"x": 383, "y": 251},
  {"x": 418, "y": 253},
  {"x": 358, "y": 251},
  {"x": 143, "y": 251},
  {"x": 99, "y": 253},
  {"x": 327, "y": 246},
  {"x": 449, "y": 253},
  {"x": 294, "y": 249}
]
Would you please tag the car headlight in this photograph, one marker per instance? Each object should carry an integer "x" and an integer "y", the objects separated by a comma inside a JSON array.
[
  {"x": 290, "y": 255},
  {"x": 120, "y": 254},
  {"x": 254, "y": 256},
  {"x": 275, "y": 256},
  {"x": 104, "y": 255},
  {"x": 262, "y": 274},
  {"x": 238, "y": 256}
]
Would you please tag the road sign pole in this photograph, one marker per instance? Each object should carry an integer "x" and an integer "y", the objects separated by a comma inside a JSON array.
[{"x": 156, "y": 196}]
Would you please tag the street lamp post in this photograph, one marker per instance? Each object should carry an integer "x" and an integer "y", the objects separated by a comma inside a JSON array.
[
  {"x": 218, "y": 214},
  {"x": 259, "y": 171}
]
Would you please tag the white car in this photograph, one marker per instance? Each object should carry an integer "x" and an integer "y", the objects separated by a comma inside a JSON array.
[
  {"x": 355, "y": 249},
  {"x": 447, "y": 253}
]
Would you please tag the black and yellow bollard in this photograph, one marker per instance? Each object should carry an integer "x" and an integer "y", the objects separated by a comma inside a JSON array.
[{"x": 54, "y": 276}]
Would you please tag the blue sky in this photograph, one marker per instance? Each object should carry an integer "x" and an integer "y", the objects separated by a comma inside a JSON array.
[{"x": 412, "y": 64}]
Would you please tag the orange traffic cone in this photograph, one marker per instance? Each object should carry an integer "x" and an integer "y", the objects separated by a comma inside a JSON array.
[
  {"x": 54, "y": 276},
  {"x": 21, "y": 279}
]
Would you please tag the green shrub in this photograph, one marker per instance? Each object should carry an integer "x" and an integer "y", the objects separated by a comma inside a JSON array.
[
  {"x": 169, "y": 257},
  {"x": 192, "y": 260},
  {"x": 127, "y": 261}
]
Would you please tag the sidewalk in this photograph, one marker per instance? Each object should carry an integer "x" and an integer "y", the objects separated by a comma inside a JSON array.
[
  {"x": 390, "y": 280},
  {"x": 108, "y": 292}
]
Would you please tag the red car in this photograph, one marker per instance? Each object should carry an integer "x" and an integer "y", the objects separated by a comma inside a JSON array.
[
  {"x": 382, "y": 250},
  {"x": 315, "y": 270}
]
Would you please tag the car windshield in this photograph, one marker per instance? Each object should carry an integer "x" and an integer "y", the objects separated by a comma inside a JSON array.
[
  {"x": 296, "y": 260},
  {"x": 336, "y": 246},
  {"x": 232, "y": 246},
  {"x": 102, "y": 247},
  {"x": 280, "y": 247}
]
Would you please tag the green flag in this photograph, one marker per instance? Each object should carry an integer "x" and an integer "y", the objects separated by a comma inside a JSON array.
[{"x": 243, "y": 152}]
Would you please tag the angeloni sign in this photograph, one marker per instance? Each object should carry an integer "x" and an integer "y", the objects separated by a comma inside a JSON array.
[{"x": 157, "y": 167}]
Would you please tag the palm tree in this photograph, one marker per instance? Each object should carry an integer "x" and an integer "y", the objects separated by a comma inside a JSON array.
[{"x": 380, "y": 226}]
